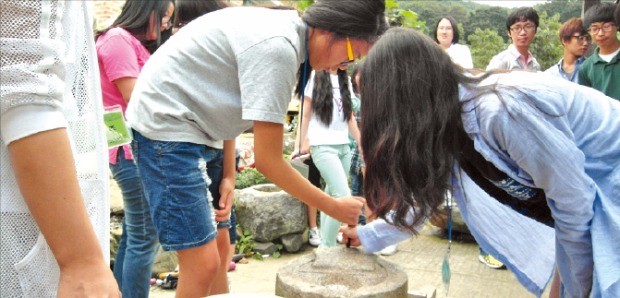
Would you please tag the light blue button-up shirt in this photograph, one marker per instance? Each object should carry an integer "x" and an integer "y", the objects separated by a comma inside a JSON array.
[
  {"x": 565, "y": 139},
  {"x": 556, "y": 70}
]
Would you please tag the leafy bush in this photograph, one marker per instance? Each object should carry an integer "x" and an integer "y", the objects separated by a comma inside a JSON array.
[
  {"x": 245, "y": 243},
  {"x": 484, "y": 45},
  {"x": 249, "y": 177}
]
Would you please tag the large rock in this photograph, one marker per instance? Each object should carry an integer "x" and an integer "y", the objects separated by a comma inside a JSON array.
[
  {"x": 340, "y": 272},
  {"x": 269, "y": 212},
  {"x": 292, "y": 242},
  {"x": 165, "y": 261}
]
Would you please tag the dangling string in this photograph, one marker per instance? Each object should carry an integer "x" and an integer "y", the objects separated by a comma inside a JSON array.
[{"x": 445, "y": 266}]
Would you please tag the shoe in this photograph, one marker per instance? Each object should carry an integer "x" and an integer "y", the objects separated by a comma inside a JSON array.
[
  {"x": 339, "y": 237},
  {"x": 170, "y": 282},
  {"x": 232, "y": 266},
  {"x": 388, "y": 251},
  {"x": 314, "y": 237},
  {"x": 490, "y": 261}
]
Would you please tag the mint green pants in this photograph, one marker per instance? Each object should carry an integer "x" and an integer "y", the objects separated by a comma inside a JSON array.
[{"x": 334, "y": 162}]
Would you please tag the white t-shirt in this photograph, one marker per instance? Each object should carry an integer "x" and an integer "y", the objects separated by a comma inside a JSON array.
[
  {"x": 50, "y": 79},
  {"x": 218, "y": 74},
  {"x": 337, "y": 133},
  {"x": 460, "y": 55}
]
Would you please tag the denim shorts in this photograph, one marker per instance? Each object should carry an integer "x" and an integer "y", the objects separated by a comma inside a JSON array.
[{"x": 176, "y": 183}]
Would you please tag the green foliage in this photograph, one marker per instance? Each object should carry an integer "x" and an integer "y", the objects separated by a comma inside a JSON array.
[
  {"x": 566, "y": 8},
  {"x": 278, "y": 253},
  {"x": 488, "y": 18},
  {"x": 399, "y": 17},
  {"x": 547, "y": 47},
  {"x": 303, "y": 4},
  {"x": 484, "y": 45},
  {"x": 249, "y": 177},
  {"x": 245, "y": 243}
]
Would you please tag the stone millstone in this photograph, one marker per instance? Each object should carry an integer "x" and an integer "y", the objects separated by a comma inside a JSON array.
[{"x": 340, "y": 272}]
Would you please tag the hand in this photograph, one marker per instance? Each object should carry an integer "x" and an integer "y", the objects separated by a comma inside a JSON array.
[
  {"x": 88, "y": 280},
  {"x": 227, "y": 197},
  {"x": 305, "y": 148},
  {"x": 347, "y": 209},
  {"x": 350, "y": 234},
  {"x": 294, "y": 154}
]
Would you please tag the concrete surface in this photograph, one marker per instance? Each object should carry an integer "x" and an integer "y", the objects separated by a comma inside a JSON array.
[
  {"x": 341, "y": 272},
  {"x": 420, "y": 258}
]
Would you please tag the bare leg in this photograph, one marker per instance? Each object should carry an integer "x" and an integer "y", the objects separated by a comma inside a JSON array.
[
  {"x": 554, "y": 291},
  {"x": 197, "y": 270},
  {"x": 220, "y": 283},
  {"x": 311, "y": 216}
]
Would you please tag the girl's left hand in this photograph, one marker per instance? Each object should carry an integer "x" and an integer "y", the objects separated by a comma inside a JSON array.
[{"x": 227, "y": 195}]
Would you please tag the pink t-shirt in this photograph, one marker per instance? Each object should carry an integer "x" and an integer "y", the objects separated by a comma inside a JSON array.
[{"x": 120, "y": 55}]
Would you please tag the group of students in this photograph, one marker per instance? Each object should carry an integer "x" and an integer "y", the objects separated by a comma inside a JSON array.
[
  {"x": 532, "y": 161},
  {"x": 600, "y": 72}
]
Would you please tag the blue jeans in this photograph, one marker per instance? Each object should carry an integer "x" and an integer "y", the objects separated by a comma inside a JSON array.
[
  {"x": 215, "y": 171},
  {"x": 333, "y": 161},
  {"x": 232, "y": 232},
  {"x": 176, "y": 183},
  {"x": 138, "y": 246}
]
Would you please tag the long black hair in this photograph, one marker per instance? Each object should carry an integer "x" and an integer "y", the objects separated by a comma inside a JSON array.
[
  {"x": 411, "y": 126},
  {"x": 322, "y": 96},
  {"x": 188, "y": 10},
  {"x": 136, "y": 17},
  {"x": 358, "y": 19}
]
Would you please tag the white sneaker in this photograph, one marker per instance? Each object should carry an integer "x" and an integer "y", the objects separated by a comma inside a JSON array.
[
  {"x": 314, "y": 237},
  {"x": 339, "y": 237},
  {"x": 388, "y": 251}
]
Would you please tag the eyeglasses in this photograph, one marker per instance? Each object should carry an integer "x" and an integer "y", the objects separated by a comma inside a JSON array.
[
  {"x": 582, "y": 38},
  {"x": 527, "y": 28},
  {"x": 607, "y": 27},
  {"x": 349, "y": 54}
]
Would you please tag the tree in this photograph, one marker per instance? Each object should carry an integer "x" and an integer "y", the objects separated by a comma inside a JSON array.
[
  {"x": 399, "y": 17},
  {"x": 303, "y": 4},
  {"x": 493, "y": 18},
  {"x": 484, "y": 44},
  {"x": 566, "y": 8},
  {"x": 547, "y": 47}
]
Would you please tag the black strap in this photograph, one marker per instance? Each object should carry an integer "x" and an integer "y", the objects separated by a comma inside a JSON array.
[{"x": 482, "y": 172}]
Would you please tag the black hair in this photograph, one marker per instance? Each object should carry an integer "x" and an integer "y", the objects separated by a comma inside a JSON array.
[
  {"x": 323, "y": 98},
  {"x": 355, "y": 70},
  {"x": 455, "y": 29},
  {"x": 188, "y": 10},
  {"x": 411, "y": 127},
  {"x": 358, "y": 19},
  {"x": 135, "y": 17},
  {"x": 522, "y": 14},
  {"x": 601, "y": 12}
]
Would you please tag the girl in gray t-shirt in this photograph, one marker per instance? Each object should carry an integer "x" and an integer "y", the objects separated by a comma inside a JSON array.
[{"x": 219, "y": 75}]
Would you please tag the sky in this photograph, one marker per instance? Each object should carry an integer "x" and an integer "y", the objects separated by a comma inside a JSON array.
[{"x": 510, "y": 3}]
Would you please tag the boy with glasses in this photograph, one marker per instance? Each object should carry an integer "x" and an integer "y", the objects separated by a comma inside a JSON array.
[
  {"x": 521, "y": 24},
  {"x": 576, "y": 41},
  {"x": 602, "y": 69}
]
